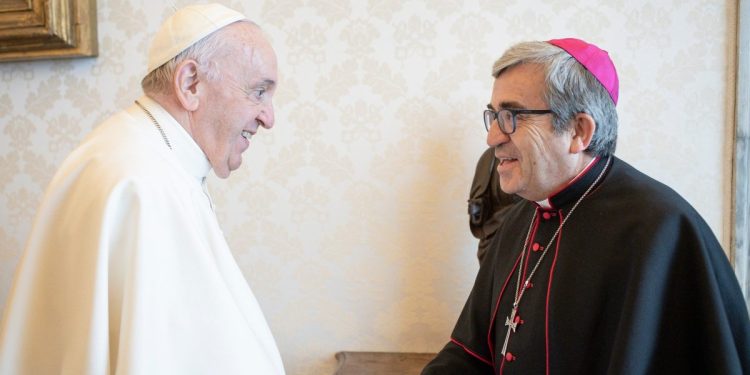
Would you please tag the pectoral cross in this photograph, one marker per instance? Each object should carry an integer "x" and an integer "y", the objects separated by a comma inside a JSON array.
[{"x": 511, "y": 323}]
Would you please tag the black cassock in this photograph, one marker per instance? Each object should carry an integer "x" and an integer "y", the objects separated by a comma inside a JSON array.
[{"x": 635, "y": 283}]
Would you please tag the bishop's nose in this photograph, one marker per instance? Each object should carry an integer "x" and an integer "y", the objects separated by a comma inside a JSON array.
[{"x": 495, "y": 136}]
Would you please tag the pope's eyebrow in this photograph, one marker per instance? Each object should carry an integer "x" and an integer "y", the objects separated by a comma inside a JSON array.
[{"x": 268, "y": 83}]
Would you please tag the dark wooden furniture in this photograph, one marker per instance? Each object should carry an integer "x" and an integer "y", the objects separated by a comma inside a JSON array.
[{"x": 381, "y": 363}]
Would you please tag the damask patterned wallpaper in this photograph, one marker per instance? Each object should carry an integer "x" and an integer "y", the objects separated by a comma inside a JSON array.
[{"x": 348, "y": 218}]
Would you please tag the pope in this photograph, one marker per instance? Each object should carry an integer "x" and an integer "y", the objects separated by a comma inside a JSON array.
[{"x": 126, "y": 270}]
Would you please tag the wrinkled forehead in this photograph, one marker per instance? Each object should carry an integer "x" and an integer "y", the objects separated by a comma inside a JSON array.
[
  {"x": 249, "y": 62},
  {"x": 248, "y": 52}
]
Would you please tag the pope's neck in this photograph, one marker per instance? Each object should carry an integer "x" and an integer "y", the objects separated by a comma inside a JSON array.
[{"x": 173, "y": 107}]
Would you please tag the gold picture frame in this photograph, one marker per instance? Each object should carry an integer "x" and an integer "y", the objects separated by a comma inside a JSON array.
[{"x": 47, "y": 29}]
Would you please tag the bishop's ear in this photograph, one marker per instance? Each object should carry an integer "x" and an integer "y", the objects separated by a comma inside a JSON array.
[
  {"x": 583, "y": 130},
  {"x": 185, "y": 84}
]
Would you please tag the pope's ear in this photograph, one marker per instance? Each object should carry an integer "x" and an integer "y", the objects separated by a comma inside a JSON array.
[
  {"x": 583, "y": 130},
  {"x": 185, "y": 84}
]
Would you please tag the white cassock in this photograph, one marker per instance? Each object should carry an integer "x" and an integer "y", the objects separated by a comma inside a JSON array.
[{"x": 126, "y": 270}]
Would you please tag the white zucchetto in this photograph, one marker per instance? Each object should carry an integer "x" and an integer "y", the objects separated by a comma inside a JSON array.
[{"x": 185, "y": 27}]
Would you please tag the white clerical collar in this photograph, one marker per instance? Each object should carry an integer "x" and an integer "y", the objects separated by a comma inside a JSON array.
[
  {"x": 545, "y": 203},
  {"x": 189, "y": 154}
]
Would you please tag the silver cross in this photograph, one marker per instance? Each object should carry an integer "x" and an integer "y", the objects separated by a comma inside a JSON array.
[{"x": 511, "y": 323}]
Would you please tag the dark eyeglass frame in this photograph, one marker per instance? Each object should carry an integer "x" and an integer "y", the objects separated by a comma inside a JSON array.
[{"x": 492, "y": 115}]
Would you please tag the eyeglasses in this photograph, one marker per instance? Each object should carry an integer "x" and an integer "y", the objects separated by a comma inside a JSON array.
[{"x": 506, "y": 118}]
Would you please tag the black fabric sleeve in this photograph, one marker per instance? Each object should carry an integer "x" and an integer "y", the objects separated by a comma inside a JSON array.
[{"x": 453, "y": 359}]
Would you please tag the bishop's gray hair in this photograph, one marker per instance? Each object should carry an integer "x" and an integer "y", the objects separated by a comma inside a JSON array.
[
  {"x": 570, "y": 89},
  {"x": 204, "y": 51}
]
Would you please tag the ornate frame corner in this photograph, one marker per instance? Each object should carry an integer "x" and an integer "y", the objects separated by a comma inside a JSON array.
[{"x": 47, "y": 29}]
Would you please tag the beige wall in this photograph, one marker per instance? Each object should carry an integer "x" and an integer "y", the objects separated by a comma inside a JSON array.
[{"x": 349, "y": 218}]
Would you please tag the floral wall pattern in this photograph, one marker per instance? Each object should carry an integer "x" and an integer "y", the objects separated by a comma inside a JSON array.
[{"x": 348, "y": 218}]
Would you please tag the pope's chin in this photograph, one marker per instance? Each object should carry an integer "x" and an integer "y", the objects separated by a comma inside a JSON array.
[
  {"x": 227, "y": 166},
  {"x": 233, "y": 164},
  {"x": 234, "y": 159},
  {"x": 223, "y": 172}
]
